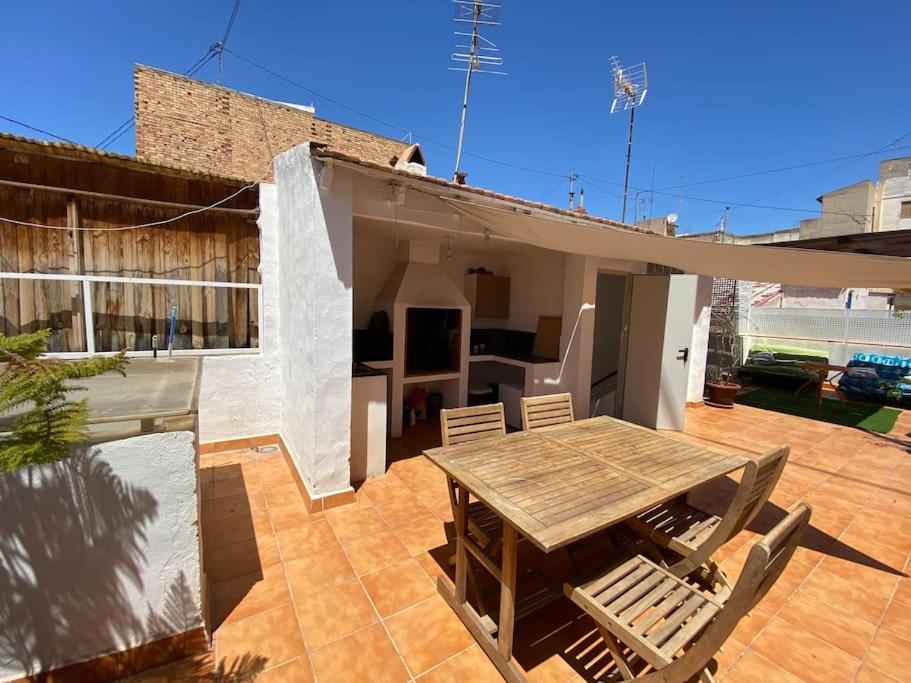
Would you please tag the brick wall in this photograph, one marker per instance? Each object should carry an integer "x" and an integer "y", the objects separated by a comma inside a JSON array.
[{"x": 202, "y": 127}]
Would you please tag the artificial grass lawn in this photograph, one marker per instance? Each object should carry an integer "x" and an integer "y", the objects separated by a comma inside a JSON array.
[{"x": 867, "y": 416}]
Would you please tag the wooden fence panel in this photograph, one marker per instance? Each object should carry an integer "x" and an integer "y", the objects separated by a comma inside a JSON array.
[{"x": 212, "y": 246}]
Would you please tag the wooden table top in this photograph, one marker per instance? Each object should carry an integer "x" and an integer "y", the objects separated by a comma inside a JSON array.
[{"x": 559, "y": 484}]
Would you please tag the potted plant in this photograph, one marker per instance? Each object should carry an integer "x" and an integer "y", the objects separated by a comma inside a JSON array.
[{"x": 722, "y": 385}]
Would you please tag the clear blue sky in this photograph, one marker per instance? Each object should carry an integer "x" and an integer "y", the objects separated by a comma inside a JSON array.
[{"x": 735, "y": 87}]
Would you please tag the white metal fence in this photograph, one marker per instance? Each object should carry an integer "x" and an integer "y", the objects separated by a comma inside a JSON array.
[
  {"x": 87, "y": 312},
  {"x": 883, "y": 328}
]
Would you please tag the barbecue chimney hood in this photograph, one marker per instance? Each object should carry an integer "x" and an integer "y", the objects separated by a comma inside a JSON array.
[{"x": 419, "y": 281}]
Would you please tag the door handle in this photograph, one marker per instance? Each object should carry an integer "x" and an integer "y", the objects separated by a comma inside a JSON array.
[{"x": 685, "y": 354}]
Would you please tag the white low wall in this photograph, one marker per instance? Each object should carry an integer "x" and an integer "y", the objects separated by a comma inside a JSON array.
[
  {"x": 99, "y": 553},
  {"x": 240, "y": 396}
]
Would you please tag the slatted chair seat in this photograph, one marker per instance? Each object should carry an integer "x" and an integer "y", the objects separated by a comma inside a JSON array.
[
  {"x": 695, "y": 534},
  {"x": 673, "y": 626},
  {"x": 647, "y": 605},
  {"x": 544, "y": 411},
  {"x": 677, "y": 526}
]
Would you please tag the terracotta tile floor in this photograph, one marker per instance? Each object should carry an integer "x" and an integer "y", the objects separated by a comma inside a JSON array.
[{"x": 350, "y": 594}]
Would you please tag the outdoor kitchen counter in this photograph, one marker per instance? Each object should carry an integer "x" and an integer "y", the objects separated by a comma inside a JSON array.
[{"x": 517, "y": 359}]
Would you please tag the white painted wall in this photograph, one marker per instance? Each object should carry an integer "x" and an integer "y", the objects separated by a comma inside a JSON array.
[
  {"x": 699, "y": 346},
  {"x": 240, "y": 396},
  {"x": 315, "y": 307},
  {"x": 579, "y": 290},
  {"x": 99, "y": 553},
  {"x": 536, "y": 287}
]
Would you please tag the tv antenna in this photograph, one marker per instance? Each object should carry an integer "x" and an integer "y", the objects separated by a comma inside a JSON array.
[
  {"x": 479, "y": 55},
  {"x": 630, "y": 86},
  {"x": 573, "y": 177}
]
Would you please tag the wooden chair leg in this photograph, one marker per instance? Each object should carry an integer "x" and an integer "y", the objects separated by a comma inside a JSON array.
[{"x": 616, "y": 650}]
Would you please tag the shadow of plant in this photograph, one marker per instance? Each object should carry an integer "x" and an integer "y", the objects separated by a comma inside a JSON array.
[{"x": 72, "y": 538}]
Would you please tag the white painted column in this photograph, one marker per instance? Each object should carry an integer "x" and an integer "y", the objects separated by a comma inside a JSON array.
[
  {"x": 699, "y": 346},
  {"x": 315, "y": 304},
  {"x": 580, "y": 281}
]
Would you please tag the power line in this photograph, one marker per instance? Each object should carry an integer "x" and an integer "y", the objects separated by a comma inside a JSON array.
[
  {"x": 732, "y": 203},
  {"x": 224, "y": 38},
  {"x": 776, "y": 170},
  {"x": 552, "y": 190},
  {"x": 835, "y": 170},
  {"x": 219, "y": 47},
  {"x": 404, "y": 131},
  {"x": 120, "y": 130},
  {"x": 141, "y": 225},
  {"x": 37, "y": 130},
  {"x": 214, "y": 50}
]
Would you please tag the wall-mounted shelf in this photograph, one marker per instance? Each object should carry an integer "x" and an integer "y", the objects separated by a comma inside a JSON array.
[{"x": 430, "y": 377}]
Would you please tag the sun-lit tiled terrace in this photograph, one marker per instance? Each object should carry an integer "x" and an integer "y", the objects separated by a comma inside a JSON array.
[{"x": 349, "y": 594}]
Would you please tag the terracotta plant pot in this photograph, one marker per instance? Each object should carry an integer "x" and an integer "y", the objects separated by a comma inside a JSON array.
[{"x": 722, "y": 393}]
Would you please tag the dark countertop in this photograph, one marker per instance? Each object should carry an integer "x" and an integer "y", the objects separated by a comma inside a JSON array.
[
  {"x": 521, "y": 357},
  {"x": 362, "y": 370}
]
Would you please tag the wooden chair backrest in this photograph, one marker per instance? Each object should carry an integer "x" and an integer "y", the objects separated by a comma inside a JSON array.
[
  {"x": 756, "y": 485},
  {"x": 461, "y": 425},
  {"x": 767, "y": 559},
  {"x": 541, "y": 411}
]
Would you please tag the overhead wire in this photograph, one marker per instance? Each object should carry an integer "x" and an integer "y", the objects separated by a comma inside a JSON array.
[
  {"x": 772, "y": 170},
  {"x": 382, "y": 122},
  {"x": 552, "y": 190},
  {"x": 592, "y": 182},
  {"x": 139, "y": 226},
  {"x": 121, "y": 130},
  {"x": 36, "y": 129}
]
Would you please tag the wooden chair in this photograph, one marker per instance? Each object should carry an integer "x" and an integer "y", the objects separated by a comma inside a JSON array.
[
  {"x": 464, "y": 425},
  {"x": 695, "y": 535},
  {"x": 671, "y": 626},
  {"x": 541, "y": 411}
]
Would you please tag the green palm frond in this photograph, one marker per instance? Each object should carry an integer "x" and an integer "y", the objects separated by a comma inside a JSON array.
[{"x": 51, "y": 423}]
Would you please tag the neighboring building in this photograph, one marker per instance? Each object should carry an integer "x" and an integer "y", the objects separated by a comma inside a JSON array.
[
  {"x": 211, "y": 129},
  {"x": 859, "y": 209},
  {"x": 662, "y": 225}
]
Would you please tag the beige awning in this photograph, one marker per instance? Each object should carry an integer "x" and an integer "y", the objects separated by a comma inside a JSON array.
[{"x": 741, "y": 262}]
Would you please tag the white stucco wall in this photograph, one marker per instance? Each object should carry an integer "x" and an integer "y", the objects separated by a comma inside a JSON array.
[
  {"x": 99, "y": 553},
  {"x": 240, "y": 396},
  {"x": 315, "y": 307},
  {"x": 535, "y": 288}
]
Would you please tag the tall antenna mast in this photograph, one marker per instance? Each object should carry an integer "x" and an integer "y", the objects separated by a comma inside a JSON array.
[
  {"x": 478, "y": 55},
  {"x": 630, "y": 86},
  {"x": 573, "y": 177}
]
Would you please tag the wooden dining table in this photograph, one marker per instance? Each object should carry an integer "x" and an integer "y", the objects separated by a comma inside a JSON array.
[{"x": 554, "y": 486}]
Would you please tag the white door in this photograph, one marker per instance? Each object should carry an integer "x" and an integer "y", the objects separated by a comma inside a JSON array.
[{"x": 657, "y": 361}]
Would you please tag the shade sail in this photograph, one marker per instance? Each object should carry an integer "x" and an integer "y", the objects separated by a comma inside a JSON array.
[{"x": 738, "y": 261}]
